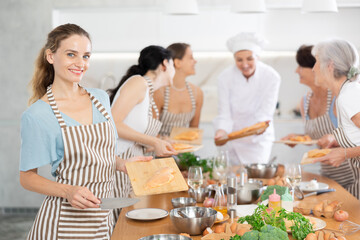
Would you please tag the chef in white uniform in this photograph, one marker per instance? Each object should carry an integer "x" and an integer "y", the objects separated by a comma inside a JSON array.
[{"x": 247, "y": 94}]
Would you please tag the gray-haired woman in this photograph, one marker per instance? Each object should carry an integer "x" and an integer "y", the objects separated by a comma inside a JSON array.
[{"x": 336, "y": 68}]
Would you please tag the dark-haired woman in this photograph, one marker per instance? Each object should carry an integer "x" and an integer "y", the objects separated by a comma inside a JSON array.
[
  {"x": 135, "y": 113},
  {"x": 317, "y": 108},
  {"x": 180, "y": 104},
  {"x": 71, "y": 128}
]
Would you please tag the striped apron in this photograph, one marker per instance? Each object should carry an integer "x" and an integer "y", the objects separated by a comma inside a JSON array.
[
  {"x": 351, "y": 176},
  {"x": 318, "y": 127},
  {"x": 122, "y": 181},
  {"x": 89, "y": 161},
  {"x": 170, "y": 120}
]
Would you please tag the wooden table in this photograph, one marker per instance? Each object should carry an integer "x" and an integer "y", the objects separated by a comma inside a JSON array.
[{"x": 128, "y": 229}]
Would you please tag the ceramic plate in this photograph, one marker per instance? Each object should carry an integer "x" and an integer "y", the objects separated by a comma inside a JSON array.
[
  {"x": 304, "y": 188},
  {"x": 297, "y": 142},
  {"x": 318, "y": 223},
  {"x": 147, "y": 214}
]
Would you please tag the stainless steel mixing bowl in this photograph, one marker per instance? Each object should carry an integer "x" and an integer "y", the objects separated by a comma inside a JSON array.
[
  {"x": 199, "y": 194},
  {"x": 258, "y": 170},
  {"x": 192, "y": 220},
  {"x": 165, "y": 237},
  {"x": 250, "y": 192},
  {"x": 183, "y": 202}
]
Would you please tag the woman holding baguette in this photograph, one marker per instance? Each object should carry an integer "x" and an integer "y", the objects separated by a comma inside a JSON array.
[
  {"x": 337, "y": 68},
  {"x": 247, "y": 94}
]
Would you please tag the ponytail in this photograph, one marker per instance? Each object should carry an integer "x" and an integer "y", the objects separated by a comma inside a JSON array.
[
  {"x": 150, "y": 58},
  {"x": 42, "y": 78}
]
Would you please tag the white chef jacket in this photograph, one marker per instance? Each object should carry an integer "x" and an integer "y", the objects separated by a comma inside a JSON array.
[{"x": 243, "y": 102}]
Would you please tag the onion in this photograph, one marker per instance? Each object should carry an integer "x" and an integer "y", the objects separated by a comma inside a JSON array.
[{"x": 208, "y": 202}]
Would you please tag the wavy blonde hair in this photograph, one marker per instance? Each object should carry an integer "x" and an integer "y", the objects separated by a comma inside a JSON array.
[{"x": 44, "y": 71}]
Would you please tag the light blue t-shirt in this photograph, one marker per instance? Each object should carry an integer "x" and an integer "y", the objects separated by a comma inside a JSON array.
[{"x": 41, "y": 139}]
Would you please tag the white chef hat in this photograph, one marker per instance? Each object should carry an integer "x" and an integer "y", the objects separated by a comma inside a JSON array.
[{"x": 246, "y": 41}]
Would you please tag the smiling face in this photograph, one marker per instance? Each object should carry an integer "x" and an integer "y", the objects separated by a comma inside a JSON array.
[
  {"x": 246, "y": 62},
  {"x": 71, "y": 59},
  {"x": 306, "y": 75},
  {"x": 187, "y": 63}
]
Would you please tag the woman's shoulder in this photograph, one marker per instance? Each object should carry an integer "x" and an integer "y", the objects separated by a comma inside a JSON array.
[
  {"x": 195, "y": 88},
  {"x": 136, "y": 81},
  {"x": 40, "y": 115},
  {"x": 38, "y": 109}
]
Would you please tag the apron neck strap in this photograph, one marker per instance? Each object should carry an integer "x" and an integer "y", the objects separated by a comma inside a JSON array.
[{"x": 57, "y": 113}]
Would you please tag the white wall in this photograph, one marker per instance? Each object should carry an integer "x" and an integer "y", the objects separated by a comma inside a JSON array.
[{"x": 131, "y": 29}]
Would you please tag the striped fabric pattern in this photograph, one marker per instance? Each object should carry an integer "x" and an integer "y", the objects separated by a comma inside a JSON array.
[
  {"x": 89, "y": 161},
  {"x": 354, "y": 174},
  {"x": 122, "y": 182},
  {"x": 351, "y": 176},
  {"x": 318, "y": 127},
  {"x": 170, "y": 120}
]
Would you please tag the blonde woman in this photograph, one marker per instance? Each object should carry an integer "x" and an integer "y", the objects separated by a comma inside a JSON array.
[{"x": 70, "y": 128}]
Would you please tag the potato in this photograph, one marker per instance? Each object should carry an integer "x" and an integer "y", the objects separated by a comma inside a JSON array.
[
  {"x": 311, "y": 236},
  {"x": 219, "y": 229}
]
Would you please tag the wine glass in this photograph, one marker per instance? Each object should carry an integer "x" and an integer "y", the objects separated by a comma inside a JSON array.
[
  {"x": 195, "y": 177},
  {"x": 293, "y": 175},
  {"x": 220, "y": 165}
]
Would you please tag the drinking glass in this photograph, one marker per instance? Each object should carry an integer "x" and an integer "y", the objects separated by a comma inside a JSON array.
[
  {"x": 293, "y": 174},
  {"x": 195, "y": 177},
  {"x": 220, "y": 165}
]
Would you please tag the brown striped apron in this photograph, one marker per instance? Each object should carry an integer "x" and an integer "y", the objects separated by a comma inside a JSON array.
[
  {"x": 318, "y": 127},
  {"x": 170, "y": 120},
  {"x": 352, "y": 175},
  {"x": 122, "y": 181},
  {"x": 89, "y": 161}
]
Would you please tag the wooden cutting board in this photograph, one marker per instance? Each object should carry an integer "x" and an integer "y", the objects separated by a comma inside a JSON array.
[
  {"x": 177, "y": 130},
  {"x": 140, "y": 172}
]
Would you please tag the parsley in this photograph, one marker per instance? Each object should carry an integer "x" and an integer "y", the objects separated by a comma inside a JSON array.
[
  {"x": 261, "y": 217},
  {"x": 187, "y": 160}
]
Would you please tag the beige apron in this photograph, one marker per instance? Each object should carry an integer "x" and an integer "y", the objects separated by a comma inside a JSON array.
[
  {"x": 122, "y": 181},
  {"x": 351, "y": 175},
  {"x": 89, "y": 161},
  {"x": 318, "y": 127},
  {"x": 170, "y": 120}
]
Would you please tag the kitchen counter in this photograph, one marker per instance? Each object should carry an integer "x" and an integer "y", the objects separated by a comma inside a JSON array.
[{"x": 127, "y": 229}]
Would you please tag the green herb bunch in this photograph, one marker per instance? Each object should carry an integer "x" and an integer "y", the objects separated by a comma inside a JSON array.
[
  {"x": 190, "y": 159},
  {"x": 262, "y": 217}
]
